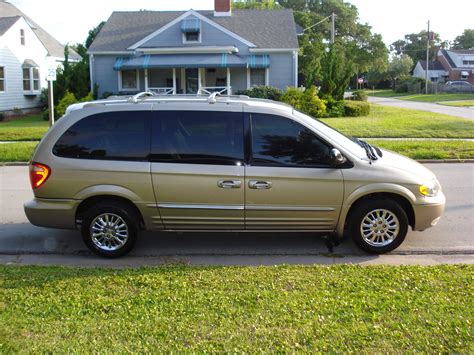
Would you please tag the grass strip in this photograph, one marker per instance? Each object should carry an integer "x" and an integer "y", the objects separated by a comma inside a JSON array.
[
  {"x": 466, "y": 103},
  {"x": 17, "y": 152},
  {"x": 386, "y": 93},
  {"x": 28, "y": 128},
  {"x": 237, "y": 309},
  {"x": 437, "y": 97},
  {"x": 384, "y": 121},
  {"x": 453, "y": 149}
]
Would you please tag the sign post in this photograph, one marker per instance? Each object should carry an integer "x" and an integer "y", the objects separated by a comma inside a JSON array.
[{"x": 50, "y": 78}]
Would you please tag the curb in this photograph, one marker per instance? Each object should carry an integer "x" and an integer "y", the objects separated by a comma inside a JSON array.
[{"x": 421, "y": 161}]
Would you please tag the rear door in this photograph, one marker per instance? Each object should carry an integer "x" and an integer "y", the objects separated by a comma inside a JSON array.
[
  {"x": 198, "y": 168},
  {"x": 290, "y": 183}
]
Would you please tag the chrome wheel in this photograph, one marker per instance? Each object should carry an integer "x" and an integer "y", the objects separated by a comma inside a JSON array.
[
  {"x": 109, "y": 232},
  {"x": 379, "y": 227}
]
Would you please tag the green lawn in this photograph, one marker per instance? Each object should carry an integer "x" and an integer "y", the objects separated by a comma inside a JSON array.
[
  {"x": 438, "y": 97},
  {"x": 465, "y": 103},
  {"x": 385, "y": 121},
  {"x": 237, "y": 309},
  {"x": 27, "y": 128},
  {"x": 17, "y": 152},
  {"x": 429, "y": 149},
  {"x": 386, "y": 93}
]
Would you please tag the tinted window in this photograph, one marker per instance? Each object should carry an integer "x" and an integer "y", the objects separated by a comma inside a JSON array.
[
  {"x": 108, "y": 136},
  {"x": 198, "y": 137},
  {"x": 278, "y": 141}
]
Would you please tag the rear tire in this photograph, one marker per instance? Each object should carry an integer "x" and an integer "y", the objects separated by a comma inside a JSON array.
[
  {"x": 378, "y": 226},
  {"x": 110, "y": 230}
]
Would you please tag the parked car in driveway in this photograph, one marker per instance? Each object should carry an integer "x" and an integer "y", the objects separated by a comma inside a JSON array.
[
  {"x": 112, "y": 168},
  {"x": 459, "y": 86}
]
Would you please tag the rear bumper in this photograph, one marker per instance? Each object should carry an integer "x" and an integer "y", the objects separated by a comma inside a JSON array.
[
  {"x": 428, "y": 215},
  {"x": 52, "y": 213}
]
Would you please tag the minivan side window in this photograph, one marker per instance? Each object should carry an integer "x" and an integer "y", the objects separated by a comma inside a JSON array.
[
  {"x": 198, "y": 137},
  {"x": 121, "y": 135},
  {"x": 278, "y": 141}
]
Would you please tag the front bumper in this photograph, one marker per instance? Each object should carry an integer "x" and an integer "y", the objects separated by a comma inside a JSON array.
[
  {"x": 52, "y": 213},
  {"x": 428, "y": 214}
]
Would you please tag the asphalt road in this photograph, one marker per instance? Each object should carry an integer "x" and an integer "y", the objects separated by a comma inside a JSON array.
[
  {"x": 451, "y": 241},
  {"x": 462, "y": 112}
]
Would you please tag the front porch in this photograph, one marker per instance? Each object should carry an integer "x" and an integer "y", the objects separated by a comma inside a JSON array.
[{"x": 200, "y": 81}]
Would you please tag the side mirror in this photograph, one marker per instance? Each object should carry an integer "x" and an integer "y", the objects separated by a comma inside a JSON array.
[{"x": 336, "y": 157}]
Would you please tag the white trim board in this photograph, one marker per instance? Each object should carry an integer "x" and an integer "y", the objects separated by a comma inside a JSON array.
[
  {"x": 181, "y": 50},
  {"x": 182, "y": 17}
]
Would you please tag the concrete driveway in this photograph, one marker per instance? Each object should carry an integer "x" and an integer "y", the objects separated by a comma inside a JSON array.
[
  {"x": 462, "y": 112},
  {"x": 451, "y": 241}
]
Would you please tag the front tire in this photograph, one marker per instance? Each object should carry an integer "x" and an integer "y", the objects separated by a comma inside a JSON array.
[
  {"x": 110, "y": 230},
  {"x": 378, "y": 226}
]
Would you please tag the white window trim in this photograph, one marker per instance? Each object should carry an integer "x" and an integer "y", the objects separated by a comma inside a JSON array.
[
  {"x": 4, "y": 80},
  {"x": 31, "y": 79},
  {"x": 267, "y": 77},
  {"x": 185, "y": 41},
  {"x": 137, "y": 88}
]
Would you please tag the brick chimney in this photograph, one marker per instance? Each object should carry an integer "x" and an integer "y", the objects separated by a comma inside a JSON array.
[{"x": 222, "y": 8}]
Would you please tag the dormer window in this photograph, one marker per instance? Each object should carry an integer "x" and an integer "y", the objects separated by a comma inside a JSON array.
[
  {"x": 22, "y": 37},
  {"x": 191, "y": 28}
]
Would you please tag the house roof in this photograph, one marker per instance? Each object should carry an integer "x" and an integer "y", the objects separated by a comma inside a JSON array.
[
  {"x": 6, "y": 23},
  {"x": 54, "y": 48},
  {"x": 433, "y": 65},
  {"x": 447, "y": 55},
  {"x": 264, "y": 28}
]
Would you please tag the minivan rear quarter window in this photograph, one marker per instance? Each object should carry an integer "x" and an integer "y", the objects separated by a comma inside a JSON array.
[
  {"x": 108, "y": 136},
  {"x": 198, "y": 137},
  {"x": 279, "y": 141}
]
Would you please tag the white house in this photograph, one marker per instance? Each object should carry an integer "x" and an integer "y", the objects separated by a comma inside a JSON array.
[{"x": 26, "y": 52}]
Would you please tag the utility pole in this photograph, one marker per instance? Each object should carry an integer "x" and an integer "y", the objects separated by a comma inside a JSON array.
[
  {"x": 427, "y": 58},
  {"x": 333, "y": 26}
]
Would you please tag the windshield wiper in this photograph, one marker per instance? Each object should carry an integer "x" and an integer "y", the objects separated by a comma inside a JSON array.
[{"x": 371, "y": 152}]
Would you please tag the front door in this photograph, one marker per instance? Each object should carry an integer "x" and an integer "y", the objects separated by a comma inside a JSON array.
[
  {"x": 198, "y": 169},
  {"x": 290, "y": 183},
  {"x": 192, "y": 80}
]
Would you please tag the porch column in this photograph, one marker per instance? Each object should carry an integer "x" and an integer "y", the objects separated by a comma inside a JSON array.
[
  {"x": 199, "y": 81},
  {"x": 228, "y": 82},
  {"x": 174, "y": 81},
  {"x": 146, "y": 79}
]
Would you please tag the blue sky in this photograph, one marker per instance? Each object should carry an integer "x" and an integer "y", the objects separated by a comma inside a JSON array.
[{"x": 69, "y": 21}]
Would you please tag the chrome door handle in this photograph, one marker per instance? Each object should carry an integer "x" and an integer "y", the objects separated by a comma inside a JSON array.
[
  {"x": 260, "y": 185},
  {"x": 229, "y": 184}
]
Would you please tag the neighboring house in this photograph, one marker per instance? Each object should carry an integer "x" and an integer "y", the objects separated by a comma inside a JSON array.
[
  {"x": 449, "y": 65},
  {"x": 26, "y": 52},
  {"x": 171, "y": 52}
]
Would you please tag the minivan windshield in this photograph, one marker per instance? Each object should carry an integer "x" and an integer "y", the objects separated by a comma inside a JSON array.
[{"x": 332, "y": 133}]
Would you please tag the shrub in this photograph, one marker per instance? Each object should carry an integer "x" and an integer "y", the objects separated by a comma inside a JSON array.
[
  {"x": 263, "y": 92},
  {"x": 17, "y": 111},
  {"x": 359, "y": 95},
  {"x": 89, "y": 97},
  {"x": 293, "y": 97},
  {"x": 67, "y": 100},
  {"x": 2, "y": 117},
  {"x": 311, "y": 104},
  {"x": 334, "y": 108},
  {"x": 356, "y": 108},
  {"x": 45, "y": 114},
  {"x": 106, "y": 94}
]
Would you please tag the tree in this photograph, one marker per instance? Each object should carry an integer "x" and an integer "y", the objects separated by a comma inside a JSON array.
[
  {"x": 414, "y": 45},
  {"x": 400, "y": 67},
  {"x": 338, "y": 69},
  {"x": 464, "y": 41},
  {"x": 93, "y": 33}
]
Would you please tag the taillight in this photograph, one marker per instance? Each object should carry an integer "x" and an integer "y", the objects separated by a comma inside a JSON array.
[{"x": 39, "y": 173}]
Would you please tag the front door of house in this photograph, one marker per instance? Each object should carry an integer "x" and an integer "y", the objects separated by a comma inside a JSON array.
[{"x": 192, "y": 80}]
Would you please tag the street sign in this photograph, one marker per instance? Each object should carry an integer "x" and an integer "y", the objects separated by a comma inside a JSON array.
[
  {"x": 360, "y": 80},
  {"x": 51, "y": 75}
]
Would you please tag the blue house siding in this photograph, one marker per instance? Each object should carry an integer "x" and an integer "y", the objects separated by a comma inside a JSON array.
[
  {"x": 238, "y": 79},
  {"x": 281, "y": 71},
  {"x": 104, "y": 75}
]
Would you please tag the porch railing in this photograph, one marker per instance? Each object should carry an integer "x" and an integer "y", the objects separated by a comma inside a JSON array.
[
  {"x": 162, "y": 90},
  {"x": 207, "y": 90}
]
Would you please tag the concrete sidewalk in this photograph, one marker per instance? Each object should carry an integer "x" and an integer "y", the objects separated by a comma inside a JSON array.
[{"x": 461, "y": 112}]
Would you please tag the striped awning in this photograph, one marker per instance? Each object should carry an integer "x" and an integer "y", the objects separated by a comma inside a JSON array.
[
  {"x": 258, "y": 61},
  {"x": 223, "y": 60},
  {"x": 189, "y": 25}
]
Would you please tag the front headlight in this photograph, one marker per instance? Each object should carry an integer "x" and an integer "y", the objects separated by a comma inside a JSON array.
[{"x": 430, "y": 189}]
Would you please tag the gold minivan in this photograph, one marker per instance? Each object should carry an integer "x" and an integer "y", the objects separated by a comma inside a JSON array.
[{"x": 118, "y": 166}]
